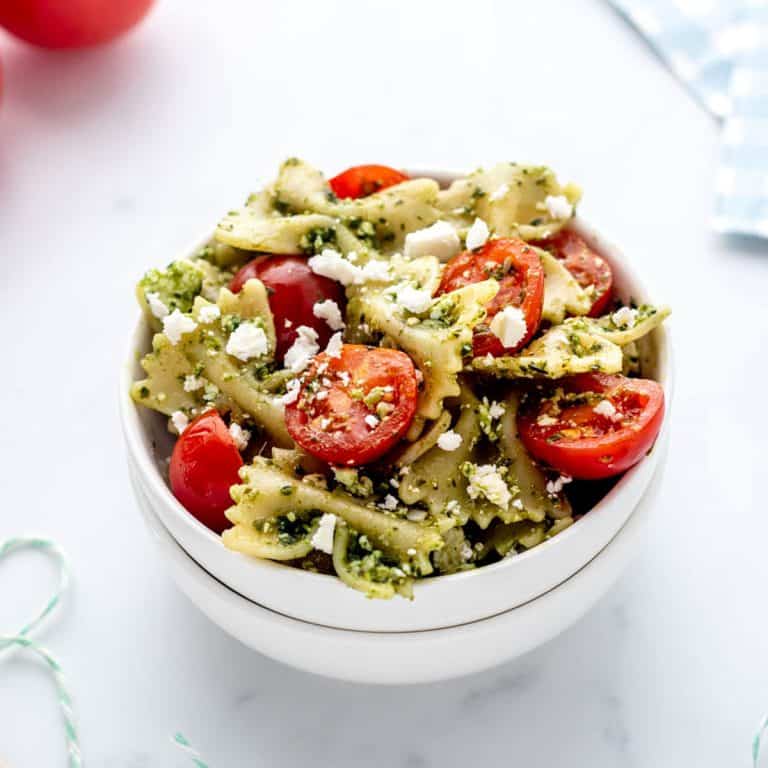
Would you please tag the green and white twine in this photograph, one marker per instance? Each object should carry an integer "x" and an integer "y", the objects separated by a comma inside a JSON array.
[{"x": 22, "y": 639}]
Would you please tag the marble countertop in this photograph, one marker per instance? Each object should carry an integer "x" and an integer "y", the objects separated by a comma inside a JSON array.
[{"x": 112, "y": 160}]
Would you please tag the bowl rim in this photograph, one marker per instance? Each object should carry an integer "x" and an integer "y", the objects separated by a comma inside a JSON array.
[{"x": 155, "y": 483}]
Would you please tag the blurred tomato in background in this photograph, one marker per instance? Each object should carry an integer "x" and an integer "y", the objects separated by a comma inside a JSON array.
[{"x": 70, "y": 23}]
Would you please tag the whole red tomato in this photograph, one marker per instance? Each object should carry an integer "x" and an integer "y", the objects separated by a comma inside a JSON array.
[{"x": 70, "y": 23}]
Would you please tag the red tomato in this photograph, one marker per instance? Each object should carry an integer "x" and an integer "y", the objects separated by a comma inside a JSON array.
[
  {"x": 293, "y": 290},
  {"x": 588, "y": 267},
  {"x": 204, "y": 465},
  {"x": 364, "y": 180},
  {"x": 70, "y": 23},
  {"x": 564, "y": 430},
  {"x": 518, "y": 269},
  {"x": 353, "y": 408}
]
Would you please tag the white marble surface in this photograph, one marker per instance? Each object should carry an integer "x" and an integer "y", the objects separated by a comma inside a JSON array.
[{"x": 111, "y": 160}]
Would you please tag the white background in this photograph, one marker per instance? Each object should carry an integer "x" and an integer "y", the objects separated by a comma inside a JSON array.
[{"x": 112, "y": 160}]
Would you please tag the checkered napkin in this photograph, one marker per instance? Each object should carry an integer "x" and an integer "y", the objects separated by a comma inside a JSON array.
[{"x": 719, "y": 49}]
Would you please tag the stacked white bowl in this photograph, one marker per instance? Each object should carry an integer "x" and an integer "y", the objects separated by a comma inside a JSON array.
[{"x": 456, "y": 624}]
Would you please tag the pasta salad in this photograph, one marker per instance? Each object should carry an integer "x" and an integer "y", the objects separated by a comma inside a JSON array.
[{"x": 381, "y": 378}]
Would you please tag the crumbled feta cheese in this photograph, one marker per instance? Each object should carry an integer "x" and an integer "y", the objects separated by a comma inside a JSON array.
[
  {"x": 372, "y": 421},
  {"x": 180, "y": 421},
  {"x": 439, "y": 240},
  {"x": 449, "y": 440},
  {"x": 558, "y": 206},
  {"x": 209, "y": 313},
  {"x": 329, "y": 311},
  {"x": 287, "y": 323},
  {"x": 333, "y": 349},
  {"x": 486, "y": 480},
  {"x": 518, "y": 504},
  {"x": 452, "y": 507},
  {"x": 411, "y": 552},
  {"x": 332, "y": 264},
  {"x": 247, "y": 340},
  {"x": 477, "y": 235},
  {"x": 500, "y": 192},
  {"x": 389, "y": 503},
  {"x": 545, "y": 420},
  {"x": 466, "y": 552},
  {"x": 292, "y": 389},
  {"x": 176, "y": 325},
  {"x": 413, "y": 299},
  {"x": 344, "y": 377},
  {"x": 298, "y": 357},
  {"x": 376, "y": 271},
  {"x": 554, "y": 487},
  {"x": 322, "y": 538},
  {"x": 605, "y": 408},
  {"x": 193, "y": 383},
  {"x": 509, "y": 326},
  {"x": 496, "y": 410},
  {"x": 239, "y": 435},
  {"x": 624, "y": 317},
  {"x": 156, "y": 305},
  {"x": 416, "y": 515}
]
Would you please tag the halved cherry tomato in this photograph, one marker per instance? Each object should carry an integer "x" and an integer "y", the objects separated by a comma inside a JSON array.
[
  {"x": 70, "y": 23},
  {"x": 518, "y": 269},
  {"x": 204, "y": 465},
  {"x": 364, "y": 180},
  {"x": 565, "y": 431},
  {"x": 353, "y": 408},
  {"x": 588, "y": 267},
  {"x": 293, "y": 290}
]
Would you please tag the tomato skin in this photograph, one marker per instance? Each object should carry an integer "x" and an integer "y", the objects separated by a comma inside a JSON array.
[
  {"x": 293, "y": 290},
  {"x": 204, "y": 464},
  {"x": 346, "y": 438},
  {"x": 364, "y": 180},
  {"x": 71, "y": 23},
  {"x": 518, "y": 268},
  {"x": 590, "y": 446},
  {"x": 587, "y": 266}
]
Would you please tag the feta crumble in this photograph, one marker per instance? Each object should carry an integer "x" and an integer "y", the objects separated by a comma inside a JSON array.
[
  {"x": 439, "y": 240},
  {"x": 496, "y": 410},
  {"x": 554, "y": 487},
  {"x": 371, "y": 421},
  {"x": 193, "y": 383},
  {"x": 558, "y": 206},
  {"x": 485, "y": 480},
  {"x": 389, "y": 503},
  {"x": 499, "y": 193},
  {"x": 518, "y": 504},
  {"x": 246, "y": 341},
  {"x": 509, "y": 326},
  {"x": 376, "y": 271},
  {"x": 180, "y": 421},
  {"x": 452, "y": 507},
  {"x": 332, "y": 264},
  {"x": 413, "y": 299},
  {"x": 298, "y": 357},
  {"x": 322, "y": 538},
  {"x": 329, "y": 311},
  {"x": 334, "y": 345},
  {"x": 209, "y": 313},
  {"x": 416, "y": 515},
  {"x": 239, "y": 435},
  {"x": 176, "y": 325},
  {"x": 156, "y": 305},
  {"x": 624, "y": 317},
  {"x": 292, "y": 389},
  {"x": 477, "y": 235},
  {"x": 607, "y": 409},
  {"x": 449, "y": 440}
]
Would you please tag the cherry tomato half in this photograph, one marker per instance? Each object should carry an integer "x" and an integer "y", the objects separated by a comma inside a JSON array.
[
  {"x": 594, "y": 425},
  {"x": 353, "y": 408},
  {"x": 588, "y": 267},
  {"x": 518, "y": 269},
  {"x": 204, "y": 465},
  {"x": 293, "y": 290},
  {"x": 364, "y": 180},
  {"x": 71, "y": 23}
]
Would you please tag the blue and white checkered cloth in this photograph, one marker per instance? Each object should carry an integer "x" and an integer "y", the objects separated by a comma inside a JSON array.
[{"x": 719, "y": 49}]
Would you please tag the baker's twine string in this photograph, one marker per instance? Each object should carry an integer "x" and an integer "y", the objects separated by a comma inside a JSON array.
[
  {"x": 197, "y": 760},
  {"x": 22, "y": 638}
]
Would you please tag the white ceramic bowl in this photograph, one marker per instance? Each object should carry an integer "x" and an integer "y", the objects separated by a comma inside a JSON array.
[
  {"x": 407, "y": 657},
  {"x": 439, "y": 602}
]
